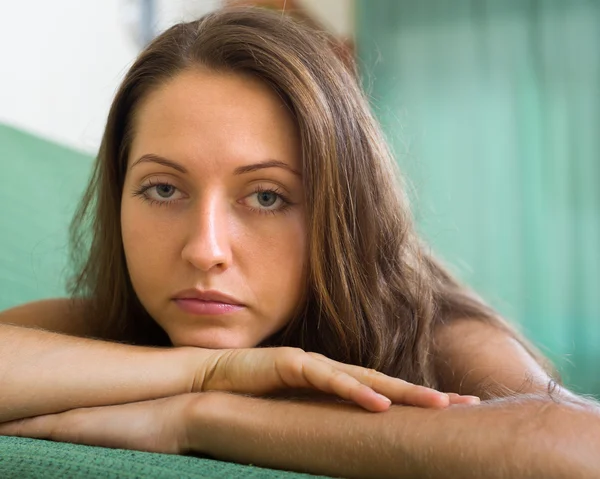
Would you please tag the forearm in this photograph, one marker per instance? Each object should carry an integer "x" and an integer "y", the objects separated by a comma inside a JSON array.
[
  {"x": 503, "y": 439},
  {"x": 43, "y": 372}
]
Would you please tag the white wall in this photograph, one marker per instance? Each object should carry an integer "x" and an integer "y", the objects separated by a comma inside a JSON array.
[
  {"x": 61, "y": 61},
  {"x": 169, "y": 12}
]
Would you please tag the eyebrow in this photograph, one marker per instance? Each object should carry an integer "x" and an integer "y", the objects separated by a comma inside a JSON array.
[
  {"x": 151, "y": 158},
  {"x": 240, "y": 170}
]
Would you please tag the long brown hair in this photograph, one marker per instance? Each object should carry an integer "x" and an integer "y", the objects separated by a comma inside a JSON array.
[{"x": 374, "y": 292}]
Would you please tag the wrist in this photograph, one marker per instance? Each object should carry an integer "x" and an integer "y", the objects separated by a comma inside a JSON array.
[
  {"x": 193, "y": 365},
  {"x": 202, "y": 420}
]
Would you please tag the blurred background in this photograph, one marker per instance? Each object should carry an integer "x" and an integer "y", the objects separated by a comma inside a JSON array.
[{"x": 492, "y": 108}]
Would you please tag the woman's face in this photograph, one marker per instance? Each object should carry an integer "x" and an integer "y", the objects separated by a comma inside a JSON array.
[{"x": 213, "y": 215}]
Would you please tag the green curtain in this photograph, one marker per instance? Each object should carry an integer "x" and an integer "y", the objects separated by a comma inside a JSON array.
[{"x": 493, "y": 110}]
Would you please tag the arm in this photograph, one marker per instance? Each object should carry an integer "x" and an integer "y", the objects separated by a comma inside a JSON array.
[
  {"x": 42, "y": 372},
  {"x": 508, "y": 438},
  {"x": 529, "y": 434}
]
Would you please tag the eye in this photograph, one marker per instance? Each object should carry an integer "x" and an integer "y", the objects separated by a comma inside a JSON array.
[
  {"x": 267, "y": 201},
  {"x": 267, "y": 198},
  {"x": 164, "y": 190},
  {"x": 162, "y": 193}
]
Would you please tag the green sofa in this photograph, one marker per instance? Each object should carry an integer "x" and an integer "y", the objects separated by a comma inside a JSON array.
[
  {"x": 42, "y": 183},
  {"x": 24, "y": 458}
]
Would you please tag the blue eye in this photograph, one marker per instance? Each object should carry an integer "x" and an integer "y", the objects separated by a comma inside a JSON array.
[
  {"x": 165, "y": 191},
  {"x": 160, "y": 193},
  {"x": 267, "y": 198}
]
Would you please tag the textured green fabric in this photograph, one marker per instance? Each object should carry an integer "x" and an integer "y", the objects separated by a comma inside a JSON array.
[
  {"x": 23, "y": 458},
  {"x": 493, "y": 108}
]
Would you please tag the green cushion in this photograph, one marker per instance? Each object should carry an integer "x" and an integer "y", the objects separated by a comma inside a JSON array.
[
  {"x": 25, "y": 458},
  {"x": 41, "y": 186}
]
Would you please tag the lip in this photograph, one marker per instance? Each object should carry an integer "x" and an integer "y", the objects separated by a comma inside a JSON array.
[
  {"x": 212, "y": 296},
  {"x": 198, "y": 307},
  {"x": 207, "y": 303}
]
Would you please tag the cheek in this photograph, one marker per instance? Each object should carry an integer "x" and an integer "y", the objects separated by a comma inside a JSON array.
[
  {"x": 146, "y": 246},
  {"x": 278, "y": 259},
  {"x": 281, "y": 249}
]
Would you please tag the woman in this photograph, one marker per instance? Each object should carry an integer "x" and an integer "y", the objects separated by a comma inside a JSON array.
[{"x": 248, "y": 236}]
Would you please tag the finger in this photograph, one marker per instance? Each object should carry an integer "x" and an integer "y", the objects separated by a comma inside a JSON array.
[
  {"x": 288, "y": 368},
  {"x": 397, "y": 390},
  {"x": 365, "y": 386},
  {"x": 326, "y": 378},
  {"x": 460, "y": 399}
]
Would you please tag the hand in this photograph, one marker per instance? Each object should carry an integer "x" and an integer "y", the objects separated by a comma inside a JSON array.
[
  {"x": 158, "y": 425},
  {"x": 266, "y": 370}
]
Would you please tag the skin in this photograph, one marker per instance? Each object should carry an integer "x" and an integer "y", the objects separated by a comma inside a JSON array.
[{"x": 210, "y": 227}]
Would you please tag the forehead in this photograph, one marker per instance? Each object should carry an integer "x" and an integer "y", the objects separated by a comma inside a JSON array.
[{"x": 217, "y": 114}]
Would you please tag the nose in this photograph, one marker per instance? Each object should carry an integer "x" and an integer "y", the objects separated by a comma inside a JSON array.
[{"x": 207, "y": 245}]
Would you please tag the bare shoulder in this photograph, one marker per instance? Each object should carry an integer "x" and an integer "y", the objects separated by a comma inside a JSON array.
[
  {"x": 472, "y": 356},
  {"x": 60, "y": 315}
]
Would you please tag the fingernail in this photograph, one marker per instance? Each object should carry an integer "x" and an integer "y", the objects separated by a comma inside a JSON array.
[
  {"x": 384, "y": 398},
  {"x": 475, "y": 399}
]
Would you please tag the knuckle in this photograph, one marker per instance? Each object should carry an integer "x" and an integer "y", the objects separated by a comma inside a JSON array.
[
  {"x": 289, "y": 361},
  {"x": 288, "y": 352},
  {"x": 337, "y": 375},
  {"x": 217, "y": 375},
  {"x": 296, "y": 351},
  {"x": 316, "y": 355},
  {"x": 288, "y": 348},
  {"x": 295, "y": 356}
]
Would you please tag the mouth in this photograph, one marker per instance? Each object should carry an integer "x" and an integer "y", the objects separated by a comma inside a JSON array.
[
  {"x": 209, "y": 308},
  {"x": 211, "y": 302},
  {"x": 212, "y": 295}
]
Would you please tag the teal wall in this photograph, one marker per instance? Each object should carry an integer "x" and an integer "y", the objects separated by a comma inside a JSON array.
[
  {"x": 493, "y": 109},
  {"x": 42, "y": 183}
]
